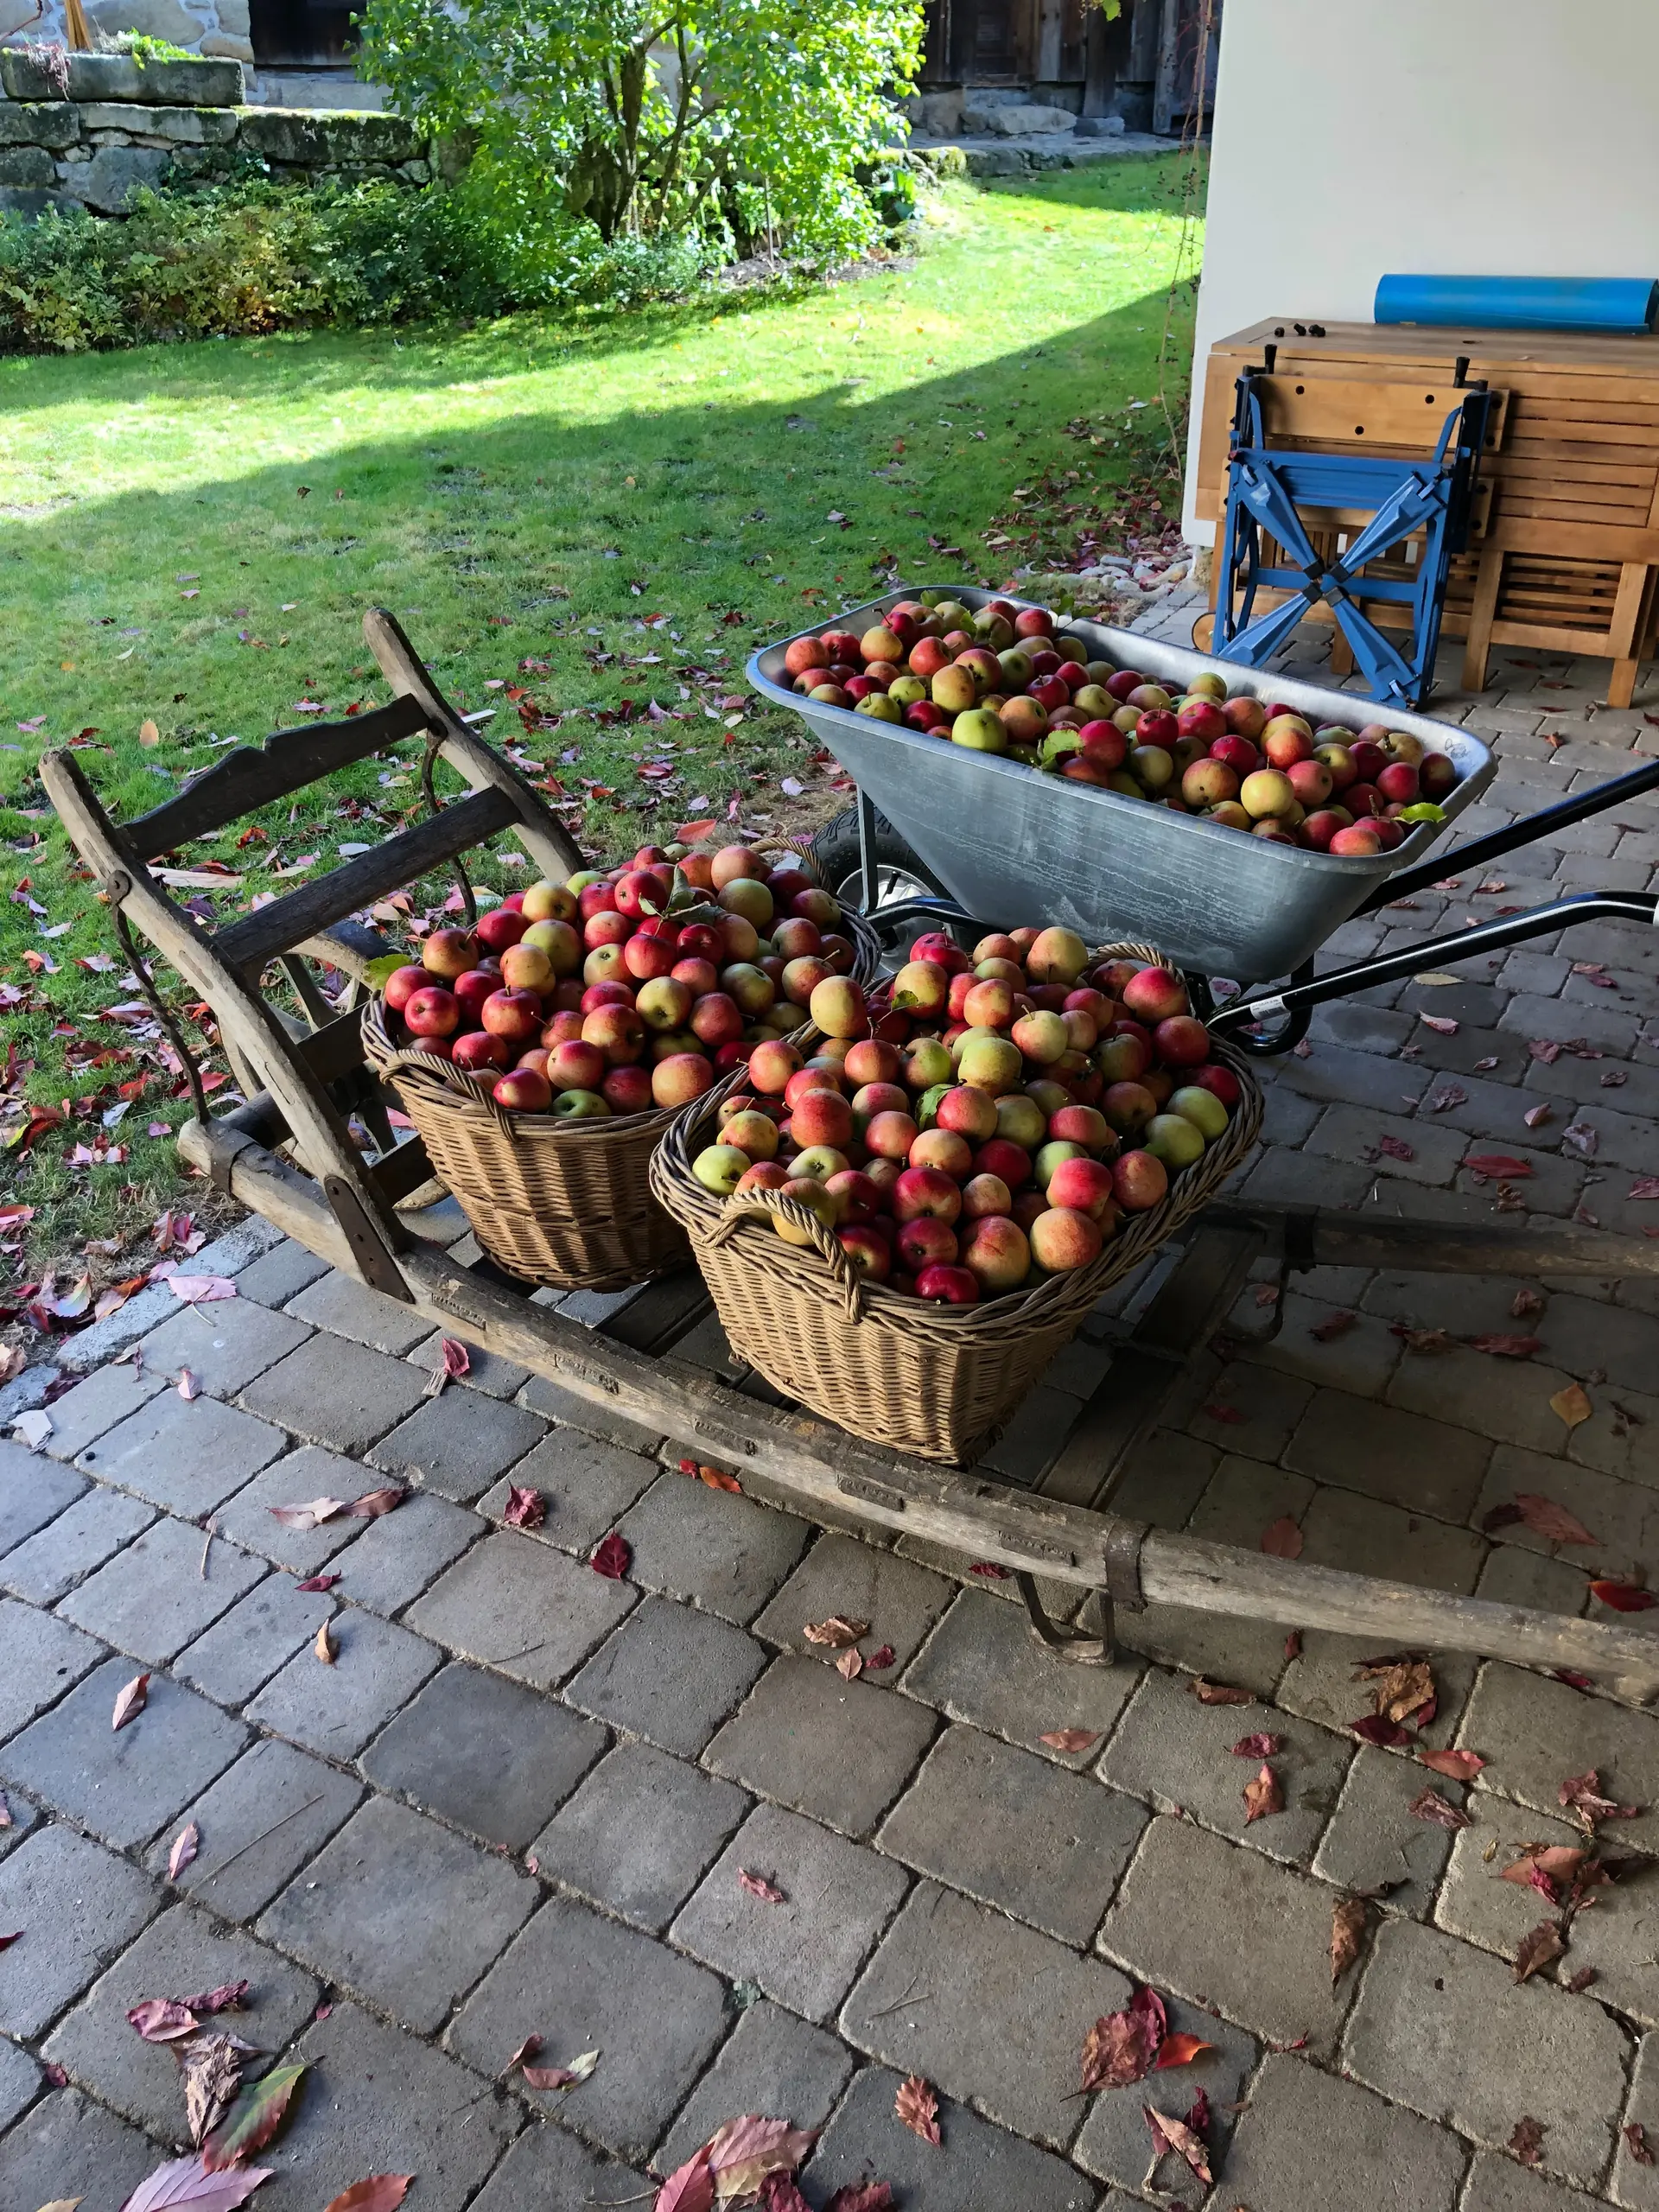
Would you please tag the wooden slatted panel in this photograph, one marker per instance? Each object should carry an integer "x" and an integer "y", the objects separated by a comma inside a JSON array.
[
  {"x": 258, "y": 937},
  {"x": 245, "y": 780}
]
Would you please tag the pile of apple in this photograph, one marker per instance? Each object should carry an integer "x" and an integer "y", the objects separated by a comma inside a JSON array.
[
  {"x": 625, "y": 991},
  {"x": 1005, "y": 680},
  {"x": 988, "y": 1121}
]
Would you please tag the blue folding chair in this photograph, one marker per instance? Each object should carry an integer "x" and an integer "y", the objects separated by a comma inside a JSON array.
[{"x": 1269, "y": 488}]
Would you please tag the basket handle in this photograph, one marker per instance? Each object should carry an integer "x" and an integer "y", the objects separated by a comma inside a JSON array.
[{"x": 848, "y": 1279}]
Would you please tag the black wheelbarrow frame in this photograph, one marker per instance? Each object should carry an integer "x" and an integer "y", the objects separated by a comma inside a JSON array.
[{"x": 289, "y": 1153}]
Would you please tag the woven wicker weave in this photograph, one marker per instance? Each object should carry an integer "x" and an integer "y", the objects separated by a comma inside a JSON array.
[
  {"x": 562, "y": 1202},
  {"x": 939, "y": 1381}
]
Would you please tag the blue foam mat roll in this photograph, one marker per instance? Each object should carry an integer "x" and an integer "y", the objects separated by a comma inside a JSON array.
[{"x": 1608, "y": 303}]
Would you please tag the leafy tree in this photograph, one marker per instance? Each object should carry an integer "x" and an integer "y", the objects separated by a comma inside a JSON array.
[{"x": 719, "y": 120}]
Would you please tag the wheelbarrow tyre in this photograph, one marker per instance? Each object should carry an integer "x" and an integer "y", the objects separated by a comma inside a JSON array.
[{"x": 839, "y": 862}]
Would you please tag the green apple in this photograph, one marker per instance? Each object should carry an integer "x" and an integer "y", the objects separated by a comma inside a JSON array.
[
  {"x": 907, "y": 690},
  {"x": 879, "y": 708},
  {"x": 1202, "y": 1108},
  {"x": 1174, "y": 1140},
  {"x": 580, "y": 1106},
  {"x": 979, "y": 729},
  {"x": 717, "y": 1167}
]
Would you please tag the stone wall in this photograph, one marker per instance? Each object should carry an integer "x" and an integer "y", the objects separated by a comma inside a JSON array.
[
  {"x": 125, "y": 123},
  {"x": 218, "y": 27}
]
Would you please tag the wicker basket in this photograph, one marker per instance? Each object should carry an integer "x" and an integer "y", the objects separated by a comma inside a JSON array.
[
  {"x": 562, "y": 1202},
  {"x": 937, "y": 1381}
]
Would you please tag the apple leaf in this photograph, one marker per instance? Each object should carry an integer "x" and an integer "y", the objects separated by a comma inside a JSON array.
[
  {"x": 836, "y": 1632},
  {"x": 1069, "y": 1739},
  {"x": 253, "y": 2119},
  {"x": 758, "y": 1886},
  {"x": 192, "y": 2182},
  {"x": 130, "y": 1702},
  {"x": 612, "y": 1557},
  {"x": 185, "y": 1846},
  {"x": 378, "y": 974},
  {"x": 1537, "y": 1949},
  {"x": 1458, "y": 1766},
  {"x": 376, "y": 2193},
  {"x": 1347, "y": 1933},
  {"x": 689, "y": 2188},
  {"x": 919, "y": 2108},
  {"x": 1263, "y": 1796},
  {"x": 1282, "y": 1538}
]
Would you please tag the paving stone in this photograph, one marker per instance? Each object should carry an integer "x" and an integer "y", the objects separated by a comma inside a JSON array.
[
  {"x": 1513, "y": 1577},
  {"x": 70, "y": 2147},
  {"x": 977, "y": 2167},
  {"x": 1476, "y": 1904},
  {"x": 982, "y": 1665},
  {"x": 334, "y": 1710},
  {"x": 1363, "y": 1536},
  {"x": 670, "y": 1674},
  {"x": 21, "y": 2081},
  {"x": 1334, "y": 1076},
  {"x": 152, "y": 1599},
  {"x": 1634, "y": 2183},
  {"x": 548, "y": 2169},
  {"x": 1282, "y": 1176},
  {"x": 1037, "y": 1428},
  {"x": 282, "y": 1273},
  {"x": 1445, "y": 2030},
  {"x": 336, "y": 1394},
  {"x": 1175, "y": 1752},
  {"x": 181, "y": 1952},
  {"x": 1533, "y": 1731},
  {"x": 838, "y": 1750},
  {"x": 82, "y": 1537},
  {"x": 638, "y": 1834},
  {"x": 563, "y": 1406},
  {"x": 1322, "y": 1684},
  {"x": 485, "y": 1755},
  {"x": 1166, "y": 1475},
  {"x": 1250, "y": 1409},
  {"x": 32, "y": 1490},
  {"x": 657, "y": 2014},
  {"x": 1354, "y": 1133},
  {"x": 1477, "y": 1392},
  {"x": 1373, "y": 1843},
  {"x": 97, "y": 1405},
  {"x": 805, "y": 1952},
  {"x": 1047, "y": 1846},
  {"x": 1615, "y": 1439},
  {"x": 723, "y": 1553},
  {"x": 1557, "y": 1021},
  {"x": 901, "y": 1600},
  {"x": 401, "y": 1554},
  {"x": 1244, "y": 1497},
  {"x": 258, "y": 1823},
  {"x": 1623, "y": 1517},
  {"x": 376, "y": 2100},
  {"x": 188, "y": 1455},
  {"x": 1359, "y": 1358},
  {"x": 771, "y": 2062},
  {"x": 988, "y": 2011},
  {"x": 1500, "y": 2184},
  {"x": 41, "y": 1656},
  {"x": 1303, "y": 2129},
  {"x": 401, "y": 1912},
  {"x": 247, "y": 1518},
  {"x": 1249, "y": 1654},
  {"x": 78, "y": 1906},
  {"x": 261, "y": 1632},
  {"x": 349, "y": 1308},
  {"x": 488, "y": 1372},
  {"x": 520, "y": 1606},
  {"x": 1427, "y": 1467},
  {"x": 1115, "y": 2140},
  {"x": 459, "y": 1443},
  {"x": 224, "y": 1344},
  {"x": 122, "y": 1783},
  {"x": 1177, "y": 1920},
  {"x": 90, "y": 1348},
  {"x": 585, "y": 1486}
]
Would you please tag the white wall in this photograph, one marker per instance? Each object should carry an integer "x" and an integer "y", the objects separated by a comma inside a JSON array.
[{"x": 1502, "y": 137}]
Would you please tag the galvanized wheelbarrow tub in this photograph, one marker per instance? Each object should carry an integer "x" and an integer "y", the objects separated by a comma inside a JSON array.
[{"x": 1008, "y": 843}]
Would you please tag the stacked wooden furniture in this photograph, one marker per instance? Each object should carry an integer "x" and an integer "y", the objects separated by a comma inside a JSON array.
[{"x": 1564, "y": 555}]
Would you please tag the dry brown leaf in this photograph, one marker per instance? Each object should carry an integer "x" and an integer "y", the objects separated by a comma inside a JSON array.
[
  {"x": 849, "y": 1666},
  {"x": 1070, "y": 1739},
  {"x": 758, "y": 1886},
  {"x": 1347, "y": 1933},
  {"x": 1175, "y": 2135},
  {"x": 1263, "y": 1796},
  {"x": 1429, "y": 1805},
  {"x": 1458, "y": 1766},
  {"x": 919, "y": 2108},
  {"x": 324, "y": 1646},
  {"x": 837, "y": 1633},
  {"x": 1571, "y": 1405},
  {"x": 1402, "y": 1686},
  {"x": 210, "y": 2074},
  {"x": 1217, "y": 1693},
  {"x": 130, "y": 1702},
  {"x": 1537, "y": 1949}
]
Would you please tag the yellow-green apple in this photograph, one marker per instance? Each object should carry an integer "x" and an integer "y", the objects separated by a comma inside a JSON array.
[
  {"x": 1210, "y": 685},
  {"x": 817, "y": 1202},
  {"x": 906, "y": 691},
  {"x": 1124, "y": 1057},
  {"x": 997, "y": 1253},
  {"x": 663, "y": 1005},
  {"x": 1063, "y": 1239},
  {"x": 837, "y": 1007},
  {"x": 927, "y": 1062},
  {"x": 820, "y": 1163},
  {"x": 526, "y": 968},
  {"x": 1049, "y": 1156},
  {"x": 943, "y": 1149},
  {"x": 1230, "y": 815},
  {"x": 991, "y": 1064},
  {"x": 953, "y": 688},
  {"x": 1152, "y": 767},
  {"x": 1093, "y": 701},
  {"x": 1202, "y": 1106},
  {"x": 981, "y": 731},
  {"x": 1174, "y": 1140},
  {"x": 882, "y": 644},
  {"x": 1014, "y": 663},
  {"x": 920, "y": 987},
  {"x": 747, "y": 898},
  {"x": 988, "y": 1004},
  {"x": 1400, "y": 743},
  {"x": 1209, "y": 783},
  {"x": 925, "y": 1241},
  {"x": 550, "y": 902},
  {"x": 559, "y": 943},
  {"x": 754, "y": 1134},
  {"x": 878, "y": 708},
  {"x": 1338, "y": 761},
  {"x": 748, "y": 988},
  {"x": 679, "y": 1079},
  {"x": 521, "y": 1091},
  {"x": 994, "y": 630},
  {"x": 1024, "y": 720},
  {"x": 606, "y": 963},
  {"x": 1043, "y": 1037},
  {"x": 1021, "y": 1119},
  {"x": 1139, "y": 1182},
  {"x": 580, "y": 1106}
]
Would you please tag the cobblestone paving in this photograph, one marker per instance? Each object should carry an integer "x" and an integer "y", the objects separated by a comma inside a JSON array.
[{"x": 520, "y": 1799}]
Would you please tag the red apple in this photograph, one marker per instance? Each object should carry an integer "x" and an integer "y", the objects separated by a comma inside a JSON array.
[
  {"x": 627, "y": 1089},
  {"x": 619, "y": 1032},
  {"x": 1153, "y": 995},
  {"x": 716, "y": 1020},
  {"x": 1001, "y": 1157},
  {"x": 889, "y": 1135},
  {"x": 866, "y": 1249},
  {"x": 925, "y": 1241},
  {"x": 947, "y": 1286},
  {"x": 1084, "y": 1186},
  {"x": 1321, "y": 827},
  {"x": 1437, "y": 774},
  {"x": 478, "y": 1048},
  {"x": 822, "y": 1117},
  {"x": 1139, "y": 1182},
  {"x": 681, "y": 1077},
  {"x": 1063, "y": 1239},
  {"x": 433, "y": 1011},
  {"x": 450, "y": 952},
  {"x": 501, "y": 927},
  {"x": 521, "y": 1091},
  {"x": 402, "y": 983},
  {"x": 1222, "y": 1080},
  {"x": 1398, "y": 782},
  {"x": 929, "y": 1191},
  {"x": 997, "y": 1253},
  {"x": 1182, "y": 1041},
  {"x": 573, "y": 1064}
]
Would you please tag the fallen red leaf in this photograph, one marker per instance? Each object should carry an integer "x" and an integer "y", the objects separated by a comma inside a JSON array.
[
  {"x": 1378, "y": 1728},
  {"x": 990, "y": 1568},
  {"x": 185, "y": 1846},
  {"x": 1263, "y": 1796},
  {"x": 919, "y": 2108},
  {"x": 318, "y": 1582},
  {"x": 1347, "y": 1932},
  {"x": 1175, "y": 2135},
  {"x": 227, "y": 1998},
  {"x": 1635, "y": 2143},
  {"x": 1217, "y": 1693},
  {"x": 877, "y": 1663},
  {"x": 1552, "y": 1522},
  {"x": 1178, "y": 2050},
  {"x": 526, "y": 1507},
  {"x": 1527, "y": 2140},
  {"x": 745, "y": 2152},
  {"x": 376, "y": 2193},
  {"x": 1282, "y": 1538},
  {"x": 837, "y": 1633},
  {"x": 779, "y": 2194},
  {"x": 1293, "y": 1645},
  {"x": 758, "y": 1886},
  {"x": 1070, "y": 1739},
  {"x": 163, "y": 2020},
  {"x": 309, "y": 1515},
  {"x": 1334, "y": 1326},
  {"x": 130, "y": 1702},
  {"x": 612, "y": 1557},
  {"x": 863, "y": 2196},
  {"x": 1122, "y": 2047},
  {"x": 1259, "y": 1746},
  {"x": 1503, "y": 1347},
  {"x": 689, "y": 2188},
  {"x": 1537, "y": 1949},
  {"x": 1501, "y": 1166},
  {"x": 560, "y": 2077},
  {"x": 374, "y": 1502},
  {"x": 1429, "y": 1805},
  {"x": 1459, "y": 1766},
  {"x": 253, "y": 2119},
  {"x": 1623, "y": 1597},
  {"x": 1582, "y": 1792}
]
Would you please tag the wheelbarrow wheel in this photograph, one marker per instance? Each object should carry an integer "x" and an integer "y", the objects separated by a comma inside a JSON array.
[{"x": 901, "y": 872}]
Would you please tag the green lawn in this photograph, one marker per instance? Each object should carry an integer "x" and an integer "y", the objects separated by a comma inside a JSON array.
[{"x": 189, "y": 535}]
